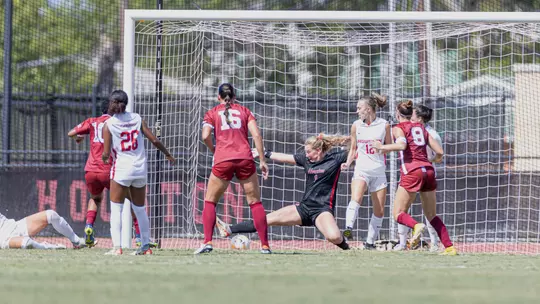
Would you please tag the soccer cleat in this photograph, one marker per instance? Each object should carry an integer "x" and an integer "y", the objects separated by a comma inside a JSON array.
[
  {"x": 205, "y": 248},
  {"x": 80, "y": 244},
  {"x": 266, "y": 250},
  {"x": 223, "y": 228},
  {"x": 90, "y": 239},
  {"x": 434, "y": 248},
  {"x": 449, "y": 251},
  {"x": 416, "y": 234},
  {"x": 114, "y": 251},
  {"x": 143, "y": 250},
  {"x": 368, "y": 246},
  {"x": 399, "y": 247},
  {"x": 138, "y": 241},
  {"x": 348, "y": 233}
]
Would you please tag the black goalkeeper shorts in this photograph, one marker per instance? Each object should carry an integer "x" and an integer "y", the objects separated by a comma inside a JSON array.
[{"x": 309, "y": 214}]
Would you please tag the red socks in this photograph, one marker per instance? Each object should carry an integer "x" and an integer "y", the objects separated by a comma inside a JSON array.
[
  {"x": 259, "y": 220},
  {"x": 136, "y": 226},
  {"x": 91, "y": 217},
  {"x": 405, "y": 219},
  {"x": 439, "y": 226},
  {"x": 209, "y": 220}
]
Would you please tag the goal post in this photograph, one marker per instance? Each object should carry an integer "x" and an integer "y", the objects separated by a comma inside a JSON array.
[{"x": 302, "y": 72}]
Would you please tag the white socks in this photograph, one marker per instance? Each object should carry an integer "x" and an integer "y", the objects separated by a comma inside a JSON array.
[
  {"x": 352, "y": 214},
  {"x": 28, "y": 243},
  {"x": 403, "y": 233},
  {"x": 144, "y": 223},
  {"x": 60, "y": 225},
  {"x": 116, "y": 224},
  {"x": 374, "y": 227},
  {"x": 432, "y": 234}
]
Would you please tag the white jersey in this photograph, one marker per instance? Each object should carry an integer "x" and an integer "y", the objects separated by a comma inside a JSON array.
[
  {"x": 7, "y": 226},
  {"x": 129, "y": 154},
  {"x": 433, "y": 133},
  {"x": 368, "y": 161}
]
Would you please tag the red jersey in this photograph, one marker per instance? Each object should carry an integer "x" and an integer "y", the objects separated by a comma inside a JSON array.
[
  {"x": 94, "y": 127},
  {"x": 415, "y": 155},
  {"x": 231, "y": 139}
]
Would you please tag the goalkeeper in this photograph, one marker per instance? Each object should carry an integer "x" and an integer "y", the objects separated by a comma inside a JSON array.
[{"x": 317, "y": 207}]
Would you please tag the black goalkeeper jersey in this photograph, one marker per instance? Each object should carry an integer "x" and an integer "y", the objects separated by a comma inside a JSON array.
[{"x": 321, "y": 178}]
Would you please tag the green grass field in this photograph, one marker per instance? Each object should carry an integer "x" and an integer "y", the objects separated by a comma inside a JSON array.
[{"x": 86, "y": 276}]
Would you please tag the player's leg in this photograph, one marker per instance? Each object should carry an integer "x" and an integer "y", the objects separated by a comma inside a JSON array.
[
  {"x": 375, "y": 223},
  {"x": 96, "y": 182},
  {"x": 326, "y": 223},
  {"x": 26, "y": 242},
  {"x": 286, "y": 216},
  {"x": 247, "y": 176},
  {"x": 214, "y": 191},
  {"x": 429, "y": 205},
  {"x": 433, "y": 237},
  {"x": 138, "y": 198},
  {"x": 118, "y": 193},
  {"x": 35, "y": 223},
  {"x": 402, "y": 204},
  {"x": 358, "y": 187}
]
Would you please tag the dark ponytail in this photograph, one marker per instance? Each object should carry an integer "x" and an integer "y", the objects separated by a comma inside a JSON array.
[
  {"x": 226, "y": 92},
  {"x": 118, "y": 101}
]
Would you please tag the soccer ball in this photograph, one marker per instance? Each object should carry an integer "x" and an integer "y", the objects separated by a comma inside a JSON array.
[{"x": 240, "y": 242}]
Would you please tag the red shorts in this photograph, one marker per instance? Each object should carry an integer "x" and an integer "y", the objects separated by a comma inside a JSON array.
[
  {"x": 97, "y": 181},
  {"x": 419, "y": 180},
  {"x": 241, "y": 168}
]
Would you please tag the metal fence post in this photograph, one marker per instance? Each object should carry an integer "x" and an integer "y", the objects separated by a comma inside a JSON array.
[{"x": 6, "y": 107}]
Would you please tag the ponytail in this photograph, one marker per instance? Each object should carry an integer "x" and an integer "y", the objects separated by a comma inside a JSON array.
[
  {"x": 326, "y": 142},
  {"x": 226, "y": 93}
]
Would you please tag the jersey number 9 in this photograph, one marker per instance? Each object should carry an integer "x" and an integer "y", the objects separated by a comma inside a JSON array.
[{"x": 129, "y": 140}]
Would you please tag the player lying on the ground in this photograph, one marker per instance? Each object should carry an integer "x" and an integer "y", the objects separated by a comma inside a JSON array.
[
  {"x": 370, "y": 167},
  {"x": 97, "y": 173},
  {"x": 322, "y": 168},
  {"x": 18, "y": 234},
  {"x": 230, "y": 123},
  {"x": 417, "y": 175}
]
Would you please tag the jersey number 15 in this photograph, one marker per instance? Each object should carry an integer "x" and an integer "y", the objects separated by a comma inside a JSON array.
[{"x": 129, "y": 140}]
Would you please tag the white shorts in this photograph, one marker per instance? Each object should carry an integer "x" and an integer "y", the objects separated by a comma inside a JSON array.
[
  {"x": 374, "y": 183},
  {"x": 18, "y": 229},
  {"x": 131, "y": 182}
]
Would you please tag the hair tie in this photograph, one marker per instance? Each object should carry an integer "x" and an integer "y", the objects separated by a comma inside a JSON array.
[{"x": 320, "y": 136}]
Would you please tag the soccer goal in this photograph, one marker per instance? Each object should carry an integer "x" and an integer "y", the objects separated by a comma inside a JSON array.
[{"x": 302, "y": 72}]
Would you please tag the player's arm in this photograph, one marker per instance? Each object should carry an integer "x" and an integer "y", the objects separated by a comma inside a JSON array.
[
  {"x": 80, "y": 130},
  {"x": 156, "y": 142},
  {"x": 207, "y": 138},
  {"x": 257, "y": 139},
  {"x": 399, "y": 145},
  {"x": 352, "y": 150},
  {"x": 107, "y": 142},
  {"x": 275, "y": 156},
  {"x": 436, "y": 147}
]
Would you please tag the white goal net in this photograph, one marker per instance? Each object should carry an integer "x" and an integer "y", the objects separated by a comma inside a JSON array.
[{"x": 300, "y": 78}]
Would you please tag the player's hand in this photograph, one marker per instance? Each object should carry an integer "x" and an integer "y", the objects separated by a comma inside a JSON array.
[
  {"x": 171, "y": 159},
  {"x": 105, "y": 158},
  {"x": 255, "y": 153},
  {"x": 344, "y": 166},
  {"x": 79, "y": 139},
  {"x": 264, "y": 169},
  {"x": 376, "y": 145}
]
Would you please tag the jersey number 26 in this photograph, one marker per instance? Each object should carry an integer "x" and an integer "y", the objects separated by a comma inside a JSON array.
[{"x": 129, "y": 140}]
